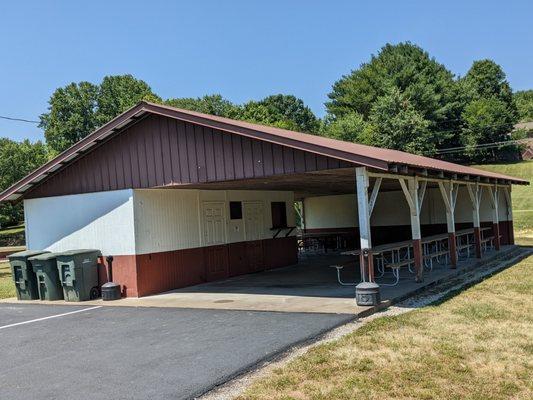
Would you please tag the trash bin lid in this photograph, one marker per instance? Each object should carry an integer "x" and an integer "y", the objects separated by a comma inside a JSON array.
[
  {"x": 44, "y": 257},
  {"x": 69, "y": 253},
  {"x": 367, "y": 286},
  {"x": 26, "y": 254}
]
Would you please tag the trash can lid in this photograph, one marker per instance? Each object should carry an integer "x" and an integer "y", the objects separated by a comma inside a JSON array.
[
  {"x": 367, "y": 285},
  {"x": 26, "y": 254},
  {"x": 77, "y": 252},
  {"x": 44, "y": 257}
]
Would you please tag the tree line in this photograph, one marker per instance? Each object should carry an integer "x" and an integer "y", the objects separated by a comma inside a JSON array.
[{"x": 402, "y": 98}]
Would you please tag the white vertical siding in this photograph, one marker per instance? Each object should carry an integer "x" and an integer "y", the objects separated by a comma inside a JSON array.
[
  {"x": 391, "y": 209},
  {"x": 166, "y": 220},
  {"x": 331, "y": 212},
  {"x": 171, "y": 219},
  {"x": 102, "y": 221}
]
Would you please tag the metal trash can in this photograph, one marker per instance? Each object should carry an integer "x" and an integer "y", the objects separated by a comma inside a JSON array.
[
  {"x": 48, "y": 282},
  {"x": 367, "y": 294},
  {"x": 23, "y": 275},
  {"x": 78, "y": 272}
]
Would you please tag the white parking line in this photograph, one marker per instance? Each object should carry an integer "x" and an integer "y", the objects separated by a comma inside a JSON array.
[{"x": 50, "y": 317}]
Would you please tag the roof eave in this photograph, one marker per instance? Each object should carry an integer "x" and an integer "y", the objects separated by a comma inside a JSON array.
[
  {"x": 19, "y": 189},
  {"x": 73, "y": 152}
]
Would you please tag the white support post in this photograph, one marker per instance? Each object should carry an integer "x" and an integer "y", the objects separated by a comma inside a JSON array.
[
  {"x": 474, "y": 192},
  {"x": 449, "y": 192},
  {"x": 374, "y": 195},
  {"x": 415, "y": 197},
  {"x": 422, "y": 193},
  {"x": 507, "y": 193},
  {"x": 494, "y": 201},
  {"x": 494, "y": 198},
  {"x": 508, "y": 200},
  {"x": 363, "y": 208}
]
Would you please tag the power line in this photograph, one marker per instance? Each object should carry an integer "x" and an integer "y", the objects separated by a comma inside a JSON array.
[
  {"x": 482, "y": 146},
  {"x": 19, "y": 119}
]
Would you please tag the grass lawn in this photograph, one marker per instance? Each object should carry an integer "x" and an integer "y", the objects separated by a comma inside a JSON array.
[
  {"x": 476, "y": 345},
  {"x": 12, "y": 236},
  {"x": 522, "y": 197},
  {"x": 12, "y": 229},
  {"x": 7, "y": 288}
]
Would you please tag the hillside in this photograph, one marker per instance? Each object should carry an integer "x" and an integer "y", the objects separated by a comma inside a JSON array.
[{"x": 522, "y": 197}]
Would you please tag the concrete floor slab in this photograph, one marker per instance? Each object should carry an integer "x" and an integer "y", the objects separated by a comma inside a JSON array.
[{"x": 309, "y": 287}]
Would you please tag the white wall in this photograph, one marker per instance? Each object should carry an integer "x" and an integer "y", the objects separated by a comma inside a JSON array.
[
  {"x": 102, "y": 220},
  {"x": 330, "y": 212},
  {"x": 391, "y": 209},
  {"x": 165, "y": 220},
  {"x": 127, "y": 222},
  {"x": 170, "y": 219}
]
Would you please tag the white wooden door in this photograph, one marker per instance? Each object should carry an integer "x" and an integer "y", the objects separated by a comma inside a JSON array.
[
  {"x": 214, "y": 222},
  {"x": 253, "y": 220}
]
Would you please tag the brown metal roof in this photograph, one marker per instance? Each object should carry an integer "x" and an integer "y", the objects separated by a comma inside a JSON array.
[{"x": 358, "y": 154}]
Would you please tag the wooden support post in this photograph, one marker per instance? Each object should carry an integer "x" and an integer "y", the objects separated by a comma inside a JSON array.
[
  {"x": 303, "y": 222},
  {"x": 415, "y": 197},
  {"x": 474, "y": 192},
  {"x": 509, "y": 204},
  {"x": 449, "y": 196},
  {"x": 494, "y": 200},
  {"x": 363, "y": 209}
]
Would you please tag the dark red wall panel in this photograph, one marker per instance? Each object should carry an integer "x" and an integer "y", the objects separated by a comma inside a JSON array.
[
  {"x": 146, "y": 274},
  {"x": 160, "y": 151},
  {"x": 280, "y": 252},
  {"x": 124, "y": 272},
  {"x": 159, "y": 272},
  {"x": 216, "y": 263}
]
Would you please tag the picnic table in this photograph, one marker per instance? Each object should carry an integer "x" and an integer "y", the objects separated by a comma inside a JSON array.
[
  {"x": 434, "y": 247},
  {"x": 400, "y": 255},
  {"x": 465, "y": 239},
  {"x": 487, "y": 241},
  {"x": 317, "y": 240}
]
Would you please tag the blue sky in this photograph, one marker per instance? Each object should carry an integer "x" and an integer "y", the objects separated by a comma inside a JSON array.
[{"x": 240, "y": 49}]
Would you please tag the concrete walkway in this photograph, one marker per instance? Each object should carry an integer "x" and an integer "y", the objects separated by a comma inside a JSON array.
[{"x": 310, "y": 287}]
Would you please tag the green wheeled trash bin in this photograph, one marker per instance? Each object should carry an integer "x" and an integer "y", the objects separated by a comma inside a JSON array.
[
  {"x": 48, "y": 283},
  {"x": 78, "y": 272},
  {"x": 23, "y": 275}
]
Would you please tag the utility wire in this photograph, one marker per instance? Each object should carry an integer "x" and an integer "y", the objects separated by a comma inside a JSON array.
[
  {"x": 482, "y": 146},
  {"x": 20, "y": 119}
]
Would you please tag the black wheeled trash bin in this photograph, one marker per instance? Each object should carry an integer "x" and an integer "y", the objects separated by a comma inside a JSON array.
[
  {"x": 48, "y": 282},
  {"x": 23, "y": 275},
  {"x": 78, "y": 272}
]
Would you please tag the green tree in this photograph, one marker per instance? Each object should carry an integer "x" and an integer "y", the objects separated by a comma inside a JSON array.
[
  {"x": 211, "y": 104},
  {"x": 118, "y": 93},
  {"x": 71, "y": 115},
  {"x": 486, "y": 79},
  {"x": 398, "y": 125},
  {"x": 17, "y": 159},
  {"x": 283, "y": 111},
  {"x": 350, "y": 128},
  {"x": 487, "y": 120},
  {"x": 407, "y": 71},
  {"x": 489, "y": 114},
  {"x": 79, "y": 108},
  {"x": 524, "y": 104}
]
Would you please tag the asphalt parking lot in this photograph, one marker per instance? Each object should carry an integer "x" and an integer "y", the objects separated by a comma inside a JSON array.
[{"x": 80, "y": 352}]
